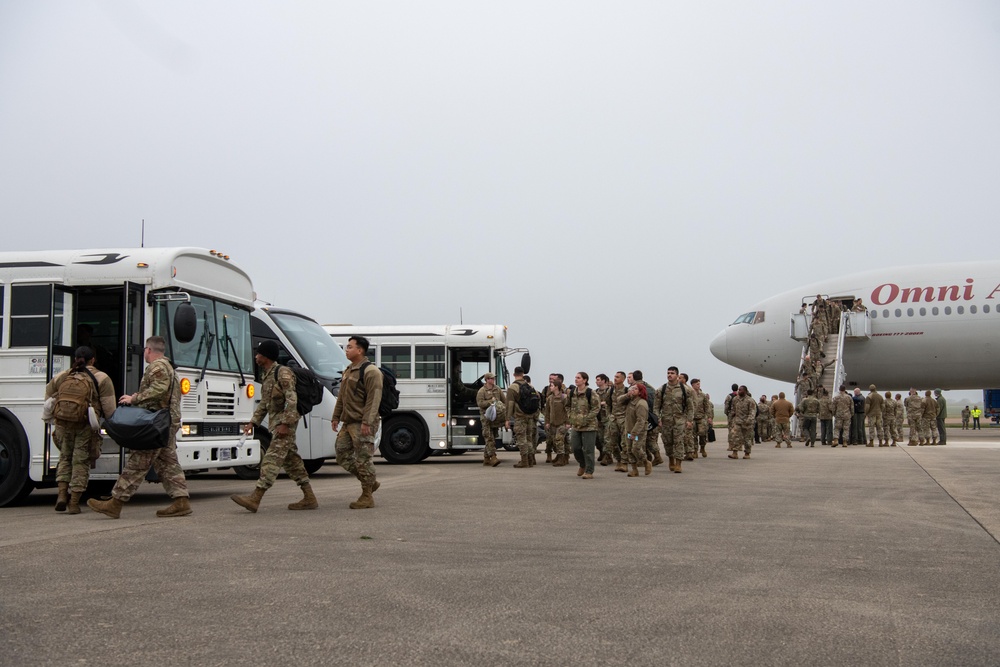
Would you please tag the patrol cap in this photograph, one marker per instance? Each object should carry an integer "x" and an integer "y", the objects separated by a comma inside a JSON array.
[
  {"x": 269, "y": 349},
  {"x": 937, "y": 391},
  {"x": 489, "y": 376},
  {"x": 872, "y": 387}
]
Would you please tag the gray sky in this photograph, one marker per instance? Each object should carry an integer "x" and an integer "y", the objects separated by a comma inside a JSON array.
[{"x": 616, "y": 182}]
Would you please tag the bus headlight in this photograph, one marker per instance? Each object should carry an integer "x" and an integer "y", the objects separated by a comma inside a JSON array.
[
  {"x": 472, "y": 422},
  {"x": 189, "y": 429}
]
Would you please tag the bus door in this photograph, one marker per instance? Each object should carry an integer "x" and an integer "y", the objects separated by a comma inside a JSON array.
[
  {"x": 59, "y": 358},
  {"x": 466, "y": 368}
]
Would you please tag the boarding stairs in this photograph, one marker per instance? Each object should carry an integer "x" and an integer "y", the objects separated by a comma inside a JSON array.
[{"x": 853, "y": 327}]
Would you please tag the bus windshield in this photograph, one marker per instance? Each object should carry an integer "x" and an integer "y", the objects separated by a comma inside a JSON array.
[
  {"x": 319, "y": 351},
  {"x": 222, "y": 341}
]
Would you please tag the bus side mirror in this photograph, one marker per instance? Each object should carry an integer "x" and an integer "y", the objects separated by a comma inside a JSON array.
[
  {"x": 185, "y": 323},
  {"x": 526, "y": 362}
]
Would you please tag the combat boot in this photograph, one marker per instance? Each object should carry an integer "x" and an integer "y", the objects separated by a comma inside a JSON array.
[
  {"x": 671, "y": 463},
  {"x": 746, "y": 455},
  {"x": 688, "y": 457},
  {"x": 251, "y": 502},
  {"x": 180, "y": 507},
  {"x": 677, "y": 465},
  {"x": 633, "y": 470},
  {"x": 494, "y": 462},
  {"x": 531, "y": 459},
  {"x": 73, "y": 507},
  {"x": 523, "y": 463},
  {"x": 620, "y": 467},
  {"x": 778, "y": 446},
  {"x": 893, "y": 444},
  {"x": 308, "y": 501},
  {"x": 704, "y": 454},
  {"x": 365, "y": 500},
  {"x": 548, "y": 456},
  {"x": 579, "y": 473},
  {"x": 487, "y": 461},
  {"x": 871, "y": 443},
  {"x": 63, "y": 497},
  {"x": 557, "y": 461},
  {"x": 657, "y": 459},
  {"x": 649, "y": 467},
  {"x": 788, "y": 445},
  {"x": 111, "y": 507}
]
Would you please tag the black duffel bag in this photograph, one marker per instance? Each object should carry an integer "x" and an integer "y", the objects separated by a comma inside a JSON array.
[{"x": 139, "y": 428}]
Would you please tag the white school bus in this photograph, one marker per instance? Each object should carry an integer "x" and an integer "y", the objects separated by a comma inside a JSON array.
[
  {"x": 438, "y": 371},
  {"x": 111, "y": 300}
]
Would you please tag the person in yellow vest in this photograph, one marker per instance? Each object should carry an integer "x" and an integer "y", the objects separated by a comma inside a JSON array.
[{"x": 976, "y": 414}]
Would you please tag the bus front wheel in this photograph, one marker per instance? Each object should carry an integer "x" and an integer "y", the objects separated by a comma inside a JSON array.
[
  {"x": 403, "y": 441},
  {"x": 14, "y": 482}
]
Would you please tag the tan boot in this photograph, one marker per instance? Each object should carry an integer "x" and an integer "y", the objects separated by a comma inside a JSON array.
[
  {"x": 677, "y": 465},
  {"x": 778, "y": 445},
  {"x": 548, "y": 456},
  {"x": 73, "y": 506},
  {"x": 746, "y": 455},
  {"x": 788, "y": 445},
  {"x": 633, "y": 470},
  {"x": 251, "y": 502},
  {"x": 620, "y": 467},
  {"x": 523, "y": 463},
  {"x": 494, "y": 462},
  {"x": 531, "y": 459},
  {"x": 704, "y": 454},
  {"x": 657, "y": 459},
  {"x": 649, "y": 467},
  {"x": 63, "y": 497},
  {"x": 180, "y": 507},
  {"x": 672, "y": 463},
  {"x": 111, "y": 508},
  {"x": 486, "y": 462},
  {"x": 308, "y": 501},
  {"x": 579, "y": 472},
  {"x": 364, "y": 501}
]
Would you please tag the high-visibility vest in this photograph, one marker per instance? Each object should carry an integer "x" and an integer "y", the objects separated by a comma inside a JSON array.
[{"x": 977, "y": 413}]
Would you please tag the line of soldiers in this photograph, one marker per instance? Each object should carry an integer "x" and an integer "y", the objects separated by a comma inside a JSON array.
[{"x": 626, "y": 417}]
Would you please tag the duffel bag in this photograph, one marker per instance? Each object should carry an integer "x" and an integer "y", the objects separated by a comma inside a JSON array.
[{"x": 139, "y": 428}]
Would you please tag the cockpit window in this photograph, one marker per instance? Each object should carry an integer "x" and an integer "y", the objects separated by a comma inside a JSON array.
[{"x": 754, "y": 317}]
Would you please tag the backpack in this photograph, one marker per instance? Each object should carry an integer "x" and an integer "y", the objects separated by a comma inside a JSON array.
[
  {"x": 390, "y": 395},
  {"x": 569, "y": 397},
  {"x": 652, "y": 420},
  {"x": 73, "y": 397},
  {"x": 527, "y": 399},
  {"x": 308, "y": 389}
]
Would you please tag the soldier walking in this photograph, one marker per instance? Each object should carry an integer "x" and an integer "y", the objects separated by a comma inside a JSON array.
[
  {"x": 674, "y": 410},
  {"x": 523, "y": 422},
  {"x": 843, "y": 412},
  {"x": 744, "y": 412},
  {"x": 636, "y": 422},
  {"x": 490, "y": 395},
  {"x": 702, "y": 415},
  {"x": 782, "y": 410},
  {"x": 582, "y": 406}
]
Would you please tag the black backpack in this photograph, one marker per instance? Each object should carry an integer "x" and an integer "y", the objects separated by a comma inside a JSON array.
[
  {"x": 652, "y": 420},
  {"x": 390, "y": 395},
  {"x": 569, "y": 399},
  {"x": 308, "y": 389},
  {"x": 527, "y": 399}
]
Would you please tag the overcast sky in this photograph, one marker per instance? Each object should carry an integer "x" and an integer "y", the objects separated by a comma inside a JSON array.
[{"x": 615, "y": 181}]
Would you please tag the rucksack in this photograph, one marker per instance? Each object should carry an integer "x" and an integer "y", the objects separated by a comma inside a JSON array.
[
  {"x": 308, "y": 389},
  {"x": 390, "y": 395},
  {"x": 569, "y": 399},
  {"x": 652, "y": 420},
  {"x": 73, "y": 397},
  {"x": 527, "y": 399}
]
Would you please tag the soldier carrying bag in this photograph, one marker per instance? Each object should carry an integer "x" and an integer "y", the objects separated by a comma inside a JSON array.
[{"x": 139, "y": 428}]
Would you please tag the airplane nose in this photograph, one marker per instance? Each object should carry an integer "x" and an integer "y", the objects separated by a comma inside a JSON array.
[{"x": 719, "y": 348}]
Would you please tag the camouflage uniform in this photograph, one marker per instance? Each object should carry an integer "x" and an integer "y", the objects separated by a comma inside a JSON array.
[
  {"x": 636, "y": 420},
  {"x": 653, "y": 435},
  {"x": 75, "y": 440},
  {"x": 524, "y": 424},
  {"x": 582, "y": 417},
  {"x": 158, "y": 389},
  {"x": 914, "y": 411},
  {"x": 825, "y": 419},
  {"x": 615, "y": 436},
  {"x": 809, "y": 409},
  {"x": 702, "y": 418},
  {"x": 843, "y": 412},
  {"x": 874, "y": 403},
  {"x": 889, "y": 419},
  {"x": 602, "y": 418},
  {"x": 555, "y": 424},
  {"x": 928, "y": 420},
  {"x": 900, "y": 417},
  {"x": 357, "y": 405},
  {"x": 763, "y": 419},
  {"x": 278, "y": 401},
  {"x": 484, "y": 398},
  {"x": 674, "y": 407},
  {"x": 743, "y": 411}
]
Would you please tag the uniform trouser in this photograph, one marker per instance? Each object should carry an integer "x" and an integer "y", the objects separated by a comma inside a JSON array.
[
  {"x": 942, "y": 436},
  {"x": 653, "y": 443},
  {"x": 583, "y": 443},
  {"x": 809, "y": 429},
  {"x": 914, "y": 424},
  {"x": 674, "y": 444},
  {"x": 354, "y": 453},
  {"x": 533, "y": 434},
  {"x": 740, "y": 436},
  {"x": 635, "y": 450},
  {"x": 162, "y": 460},
  {"x": 489, "y": 439},
  {"x": 858, "y": 429},
  {"x": 782, "y": 432},
  {"x": 875, "y": 427},
  {"x": 899, "y": 428},
  {"x": 965, "y": 424},
  {"x": 599, "y": 443},
  {"x": 701, "y": 432},
  {"x": 925, "y": 429},
  {"x": 74, "y": 455},
  {"x": 557, "y": 442},
  {"x": 842, "y": 426},
  {"x": 282, "y": 453},
  {"x": 614, "y": 437},
  {"x": 690, "y": 446},
  {"x": 762, "y": 434},
  {"x": 826, "y": 431},
  {"x": 523, "y": 426}
]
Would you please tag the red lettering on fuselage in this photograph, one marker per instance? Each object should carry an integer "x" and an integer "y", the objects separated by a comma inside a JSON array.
[
  {"x": 888, "y": 292},
  {"x": 995, "y": 290}
]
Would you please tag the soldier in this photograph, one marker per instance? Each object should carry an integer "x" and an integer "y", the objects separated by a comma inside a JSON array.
[
  {"x": 825, "y": 417},
  {"x": 278, "y": 402},
  {"x": 858, "y": 421},
  {"x": 820, "y": 324},
  {"x": 491, "y": 395},
  {"x": 555, "y": 424},
  {"x": 158, "y": 389},
  {"x": 873, "y": 413},
  {"x": 603, "y": 389},
  {"x": 942, "y": 415},
  {"x": 357, "y": 406},
  {"x": 899, "y": 417},
  {"x": 763, "y": 419},
  {"x": 771, "y": 424},
  {"x": 675, "y": 413},
  {"x": 914, "y": 411},
  {"x": 583, "y": 405},
  {"x": 928, "y": 419},
  {"x": 809, "y": 409},
  {"x": 653, "y": 437},
  {"x": 965, "y": 418},
  {"x": 72, "y": 431},
  {"x": 702, "y": 416},
  {"x": 744, "y": 412},
  {"x": 843, "y": 412},
  {"x": 690, "y": 446},
  {"x": 636, "y": 421},
  {"x": 617, "y": 404},
  {"x": 727, "y": 409},
  {"x": 782, "y": 409},
  {"x": 524, "y": 422},
  {"x": 889, "y": 418}
]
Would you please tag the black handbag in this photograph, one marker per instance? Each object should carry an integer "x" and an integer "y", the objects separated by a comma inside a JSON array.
[
  {"x": 711, "y": 434},
  {"x": 139, "y": 428}
]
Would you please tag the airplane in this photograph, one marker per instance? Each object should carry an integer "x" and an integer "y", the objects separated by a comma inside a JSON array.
[{"x": 927, "y": 326}]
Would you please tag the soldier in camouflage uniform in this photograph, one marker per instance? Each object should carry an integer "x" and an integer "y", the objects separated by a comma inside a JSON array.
[
  {"x": 615, "y": 436},
  {"x": 357, "y": 406},
  {"x": 490, "y": 394},
  {"x": 763, "y": 419},
  {"x": 158, "y": 389},
  {"x": 555, "y": 424},
  {"x": 523, "y": 423},
  {"x": 674, "y": 410},
  {"x": 843, "y": 413},
  {"x": 900, "y": 417},
  {"x": 603, "y": 389},
  {"x": 636, "y": 421},
  {"x": 928, "y": 419},
  {"x": 914, "y": 410},
  {"x": 873, "y": 413},
  {"x": 808, "y": 409},
  {"x": 278, "y": 402},
  {"x": 653, "y": 436},
  {"x": 702, "y": 415},
  {"x": 743, "y": 411},
  {"x": 76, "y": 439},
  {"x": 583, "y": 405},
  {"x": 825, "y": 417},
  {"x": 889, "y": 418}
]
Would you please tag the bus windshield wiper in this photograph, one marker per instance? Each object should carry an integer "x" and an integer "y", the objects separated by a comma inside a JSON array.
[
  {"x": 231, "y": 345},
  {"x": 208, "y": 355}
]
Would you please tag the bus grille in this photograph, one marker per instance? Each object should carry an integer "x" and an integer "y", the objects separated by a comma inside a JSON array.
[{"x": 220, "y": 403}]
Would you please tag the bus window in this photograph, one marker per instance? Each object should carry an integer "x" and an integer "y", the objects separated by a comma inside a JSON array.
[
  {"x": 1, "y": 315},
  {"x": 397, "y": 359},
  {"x": 222, "y": 341},
  {"x": 429, "y": 362},
  {"x": 29, "y": 315}
]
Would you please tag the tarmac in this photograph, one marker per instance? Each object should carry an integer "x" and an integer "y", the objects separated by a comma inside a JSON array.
[{"x": 818, "y": 556}]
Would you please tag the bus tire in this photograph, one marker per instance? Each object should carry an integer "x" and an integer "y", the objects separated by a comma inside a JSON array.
[
  {"x": 403, "y": 441},
  {"x": 313, "y": 465},
  {"x": 14, "y": 483},
  {"x": 252, "y": 472}
]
